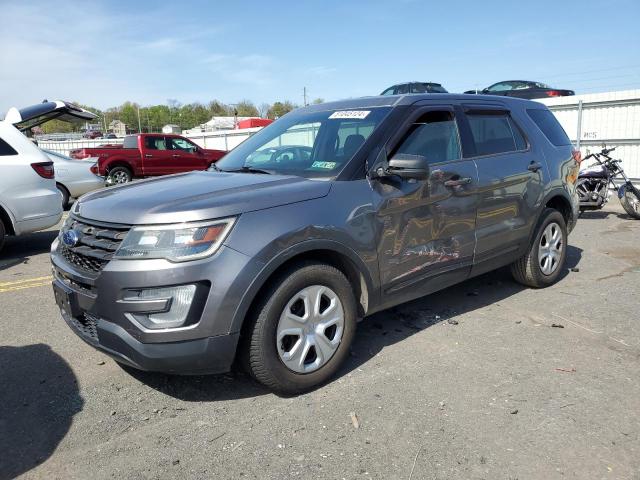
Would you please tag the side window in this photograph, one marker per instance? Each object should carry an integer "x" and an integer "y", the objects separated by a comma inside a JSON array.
[
  {"x": 388, "y": 91},
  {"x": 155, "y": 143},
  {"x": 402, "y": 89},
  {"x": 550, "y": 126},
  {"x": 6, "y": 149},
  {"x": 500, "y": 87},
  {"x": 182, "y": 144},
  {"x": 494, "y": 134},
  {"x": 434, "y": 136}
]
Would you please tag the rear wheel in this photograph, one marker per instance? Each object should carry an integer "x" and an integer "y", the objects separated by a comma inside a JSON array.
[
  {"x": 3, "y": 234},
  {"x": 542, "y": 264},
  {"x": 301, "y": 333},
  {"x": 119, "y": 175},
  {"x": 630, "y": 202},
  {"x": 65, "y": 195}
]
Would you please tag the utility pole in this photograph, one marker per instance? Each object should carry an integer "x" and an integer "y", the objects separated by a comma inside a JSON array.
[
  {"x": 139, "y": 125},
  {"x": 304, "y": 95}
]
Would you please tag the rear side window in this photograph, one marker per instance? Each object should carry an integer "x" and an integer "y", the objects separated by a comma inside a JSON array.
[
  {"x": 6, "y": 149},
  {"x": 130, "y": 141},
  {"x": 551, "y": 128},
  {"x": 155, "y": 143},
  {"x": 493, "y": 134},
  {"x": 434, "y": 136}
]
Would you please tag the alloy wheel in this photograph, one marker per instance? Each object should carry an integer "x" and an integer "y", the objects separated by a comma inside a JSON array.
[
  {"x": 550, "y": 248},
  {"x": 310, "y": 329},
  {"x": 120, "y": 177}
]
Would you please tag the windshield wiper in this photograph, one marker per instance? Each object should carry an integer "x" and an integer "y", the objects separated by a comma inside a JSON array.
[{"x": 246, "y": 169}]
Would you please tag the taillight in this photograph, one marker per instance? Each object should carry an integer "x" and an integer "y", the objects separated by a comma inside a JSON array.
[
  {"x": 553, "y": 93},
  {"x": 577, "y": 156},
  {"x": 44, "y": 169},
  {"x": 94, "y": 168}
]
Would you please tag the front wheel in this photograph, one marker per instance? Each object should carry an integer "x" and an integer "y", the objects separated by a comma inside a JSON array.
[
  {"x": 301, "y": 333},
  {"x": 630, "y": 202},
  {"x": 542, "y": 264},
  {"x": 119, "y": 175}
]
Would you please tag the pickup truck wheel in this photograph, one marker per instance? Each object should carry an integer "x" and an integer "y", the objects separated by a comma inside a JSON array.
[
  {"x": 119, "y": 175},
  {"x": 301, "y": 332},
  {"x": 542, "y": 264},
  {"x": 65, "y": 195}
]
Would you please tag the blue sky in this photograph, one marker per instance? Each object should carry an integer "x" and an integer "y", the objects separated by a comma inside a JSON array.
[{"x": 105, "y": 52}]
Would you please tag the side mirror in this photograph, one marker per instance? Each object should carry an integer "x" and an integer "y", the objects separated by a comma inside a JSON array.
[{"x": 409, "y": 166}]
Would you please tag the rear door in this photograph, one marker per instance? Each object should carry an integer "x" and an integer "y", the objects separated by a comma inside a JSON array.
[
  {"x": 157, "y": 159},
  {"x": 510, "y": 183},
  {"x": 428, "y": 226},
  {"x": 186, "y": 156}
]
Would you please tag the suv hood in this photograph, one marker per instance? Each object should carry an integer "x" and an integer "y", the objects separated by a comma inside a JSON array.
[
  {"x": 196, "y": 196},
  {"x": 35, "y": 115}
]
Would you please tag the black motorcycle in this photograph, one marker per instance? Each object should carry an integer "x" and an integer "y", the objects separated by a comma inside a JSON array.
[{"x": 593, "y": 184}]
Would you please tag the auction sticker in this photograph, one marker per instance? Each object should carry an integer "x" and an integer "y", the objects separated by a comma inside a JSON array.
[
  {"x": 354, "y": 114},
  {"x": 326, "y": 165}
]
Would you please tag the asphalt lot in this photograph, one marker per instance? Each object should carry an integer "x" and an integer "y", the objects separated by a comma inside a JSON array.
[{"x": 485, "y": 380}]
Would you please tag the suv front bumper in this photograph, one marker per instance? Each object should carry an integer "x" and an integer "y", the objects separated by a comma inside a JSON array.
[{"x": 95, "y": 307}]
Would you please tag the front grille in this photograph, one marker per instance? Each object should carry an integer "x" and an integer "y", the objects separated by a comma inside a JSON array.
[
  {"x": 96, "y": 245},
  {"x": 87, "y": 325}
]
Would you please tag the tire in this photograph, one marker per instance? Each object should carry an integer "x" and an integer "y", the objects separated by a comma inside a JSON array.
[
  {"x": 3, "y": 234},
  {"x": 274, "y": 337},
  {"x": 542, "y": 265},
  {"x": 630, "y": 202},
  {"x": 65, "y": 195},
  {"x": 119, "y": 175}
]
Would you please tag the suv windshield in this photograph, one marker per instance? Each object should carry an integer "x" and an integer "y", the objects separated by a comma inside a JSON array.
[{"x": 311, "y": 145}]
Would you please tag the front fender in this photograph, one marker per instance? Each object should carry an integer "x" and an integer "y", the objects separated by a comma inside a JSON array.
[{"x": 291, "y": 252}]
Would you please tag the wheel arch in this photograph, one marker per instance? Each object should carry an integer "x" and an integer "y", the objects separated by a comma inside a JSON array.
[
  {"x": 323, "y": 251},
  {"x": 7, "y": 220},
  {"x": 559, "y": 200},
  {"x": 118, "y": 163}
]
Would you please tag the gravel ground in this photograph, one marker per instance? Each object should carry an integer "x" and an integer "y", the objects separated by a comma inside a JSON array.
[{"x": 486, "y": 380}]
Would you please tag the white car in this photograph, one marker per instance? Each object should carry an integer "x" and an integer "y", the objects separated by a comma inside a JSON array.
[
  {"x": 29, "y": 199},
  {"x": 74, "y": 177}
]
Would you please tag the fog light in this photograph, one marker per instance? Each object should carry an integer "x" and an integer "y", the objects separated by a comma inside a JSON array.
[{"x": 178, "y": 301}]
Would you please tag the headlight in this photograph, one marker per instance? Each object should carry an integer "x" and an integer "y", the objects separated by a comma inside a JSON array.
[{"x": 177, "y": 243}]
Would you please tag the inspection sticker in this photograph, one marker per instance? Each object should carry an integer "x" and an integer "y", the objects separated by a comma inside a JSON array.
[
  {"x": 326, "y": 165},
  {"x": 355, "y": 114}
]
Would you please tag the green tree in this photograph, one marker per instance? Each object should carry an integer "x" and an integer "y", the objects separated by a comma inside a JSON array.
[
  {"x": 246, "y": 108},
  {"x": 318, "y": 100},
  {"x": 217, "y": 109},
  {"x": 279, "y": 109}
]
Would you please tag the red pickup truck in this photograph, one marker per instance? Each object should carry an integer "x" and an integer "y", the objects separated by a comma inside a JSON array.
[{"x": 148, "y": 155}]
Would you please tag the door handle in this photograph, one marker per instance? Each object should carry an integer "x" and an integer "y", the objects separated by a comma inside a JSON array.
[
  {"x": 458, "y": 182},
  {"x": 148, "y": 155},
  {"x": 175, "y": 155},
  {"x": 534, "y": 166}
]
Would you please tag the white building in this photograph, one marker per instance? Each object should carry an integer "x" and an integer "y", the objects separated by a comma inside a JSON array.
[
  {"x": 171, "y": 128},
  {"x": 611, "y": 118}
]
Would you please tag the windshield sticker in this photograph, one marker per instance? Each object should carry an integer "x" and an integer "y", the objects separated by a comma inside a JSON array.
[
  {"x": 325, "y": 165},
  {"x": 354, "y": 114}
]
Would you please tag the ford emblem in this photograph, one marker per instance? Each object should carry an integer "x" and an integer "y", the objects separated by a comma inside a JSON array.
[{"x": 70, "y": 238}]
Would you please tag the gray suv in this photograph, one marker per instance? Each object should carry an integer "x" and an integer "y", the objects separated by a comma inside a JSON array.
[{"x": 271, "y": 260}]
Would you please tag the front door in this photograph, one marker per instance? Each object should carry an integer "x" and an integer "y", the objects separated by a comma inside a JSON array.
[
  {"x": 509, "y": 184},
  {"x": 427, "y": 236},
  {"x": 186, "y": 155}
]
